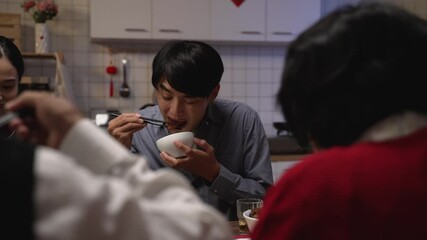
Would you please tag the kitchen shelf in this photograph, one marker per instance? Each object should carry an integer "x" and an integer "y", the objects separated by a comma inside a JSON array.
[
  {"x": 62, "y": 85},
  {"x": 54, "y": 55}
]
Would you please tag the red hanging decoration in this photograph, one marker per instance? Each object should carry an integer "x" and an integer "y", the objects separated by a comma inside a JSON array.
[
  {"x": 111, "y": 70},
  {"x": 238, "y": 2}
]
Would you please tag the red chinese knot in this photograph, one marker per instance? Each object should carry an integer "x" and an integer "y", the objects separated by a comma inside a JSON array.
[{"x": 111, "y": 70}]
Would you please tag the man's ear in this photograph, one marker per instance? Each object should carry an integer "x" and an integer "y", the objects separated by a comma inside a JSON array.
[{"x": 214, "y": 93}]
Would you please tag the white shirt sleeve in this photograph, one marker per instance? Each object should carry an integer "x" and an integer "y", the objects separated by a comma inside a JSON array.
[{"x": 100, "y": 190}]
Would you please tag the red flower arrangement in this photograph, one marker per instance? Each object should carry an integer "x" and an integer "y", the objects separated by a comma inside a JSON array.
[{"x": 41, "y": 10}]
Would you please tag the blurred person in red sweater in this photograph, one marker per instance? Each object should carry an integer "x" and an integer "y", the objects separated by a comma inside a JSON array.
[{"x": 354, "y": 87}]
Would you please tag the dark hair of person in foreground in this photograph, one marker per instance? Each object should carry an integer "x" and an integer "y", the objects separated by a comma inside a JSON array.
[{"x": 351, "y": 69}]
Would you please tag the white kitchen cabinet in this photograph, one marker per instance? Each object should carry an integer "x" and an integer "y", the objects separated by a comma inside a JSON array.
[
  {"x": 214, "y": 20},
  {"x": 114, "y": 19},
  {"x": 181, "y": 19},
  {"x": 244, "y": 23},
  {"x": 287, "y": 18}
]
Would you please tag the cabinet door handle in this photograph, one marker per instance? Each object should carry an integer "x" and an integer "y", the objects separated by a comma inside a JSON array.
[
  {"x": 283, "y": 33},
  {"x": 135, "y": 30},
  {"x": 169, "y": 30},
  {"x": 251, "y": 32}
]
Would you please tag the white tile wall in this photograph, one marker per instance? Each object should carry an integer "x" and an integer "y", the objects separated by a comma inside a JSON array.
[{"x": 252, "y": 73}]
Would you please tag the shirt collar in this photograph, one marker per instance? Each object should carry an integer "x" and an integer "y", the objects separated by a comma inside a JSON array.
[
  {"x": 394, "y": 127},
  {"x": 213, "y": 114}
]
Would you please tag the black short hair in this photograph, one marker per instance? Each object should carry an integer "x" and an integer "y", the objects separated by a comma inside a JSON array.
[
  {"x": 190, "y": 67},
  {"x": 11, "y": 52},
  {"x": 351, "y": 69}
]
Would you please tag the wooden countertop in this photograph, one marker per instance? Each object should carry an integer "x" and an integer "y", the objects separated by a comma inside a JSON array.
[{"x": 53, "y": 55}]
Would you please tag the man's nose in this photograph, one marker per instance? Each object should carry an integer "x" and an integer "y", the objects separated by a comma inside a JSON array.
[{"x": 176, "y": 108}]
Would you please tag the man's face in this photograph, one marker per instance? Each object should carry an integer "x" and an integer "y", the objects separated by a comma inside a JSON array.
[{"x": 181, "y": 112}]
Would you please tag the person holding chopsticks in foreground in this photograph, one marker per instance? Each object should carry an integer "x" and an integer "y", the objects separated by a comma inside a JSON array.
[{"x": 80, "y": 183}]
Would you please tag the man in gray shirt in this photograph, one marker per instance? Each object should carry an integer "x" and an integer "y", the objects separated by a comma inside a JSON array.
[{"x": 232, "y": 158}]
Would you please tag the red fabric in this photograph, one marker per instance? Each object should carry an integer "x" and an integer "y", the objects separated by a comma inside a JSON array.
[{"x": 365, "y": 191}]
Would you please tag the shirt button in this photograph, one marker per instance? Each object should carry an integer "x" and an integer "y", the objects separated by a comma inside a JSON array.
[{"x": 215, "y": 190}]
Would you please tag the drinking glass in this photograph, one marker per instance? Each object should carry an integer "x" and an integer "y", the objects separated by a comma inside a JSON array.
[{"x": 243, "y": 205}]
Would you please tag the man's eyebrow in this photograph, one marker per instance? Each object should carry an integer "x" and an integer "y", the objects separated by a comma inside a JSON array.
[{"x": 163, "y": 87}]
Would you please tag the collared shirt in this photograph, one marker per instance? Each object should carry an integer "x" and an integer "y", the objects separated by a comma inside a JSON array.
[{"x": 238, "y": 137}]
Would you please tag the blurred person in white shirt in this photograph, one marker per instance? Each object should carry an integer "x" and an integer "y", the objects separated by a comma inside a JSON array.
[{"x": 79, "y": 183}]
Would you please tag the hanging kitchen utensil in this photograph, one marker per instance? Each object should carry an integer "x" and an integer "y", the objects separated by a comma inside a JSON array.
[{"x": 124, "y": 88}]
